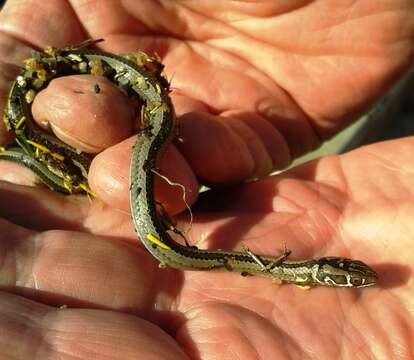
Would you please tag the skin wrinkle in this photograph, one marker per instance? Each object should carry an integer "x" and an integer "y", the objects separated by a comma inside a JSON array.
[
  {"x": 64, "y": 136},
  {"x": 11, "y": 53},
  {"x": 316, "y": 135},
  {"x": 250, "y": 64},
  {"x": 254, "y": 144},
  {"x": 397, "y": 346},
  {"x": 243, "y": 65},
  {"x": 247, "y": 341},
  {"x": 88, "y": 214},
  {"x": 333, "y": 349},
  {"x": 228, "y": 349},
  {"x": 344, "y": 310},
  {"x": 280, "y": 318},
  {"x": 248, "y": 298},
  {"x": 378, "y": 189},
  {"x": 332, "y": 336},
  {"x": 398, "y": 343},
  {"x": 332, "y": 228},
  {"x": 319, "y": 188},
  {"x": 21, "y": 41},
  {"x": 235, "y": 293},
  {"x": 380, "y": 346},
  {"x": 327, "y": 311},
  {"x": 338, "y": 184},
  {"x": 404, "y": 9},
  {"x": 300, "y": 241},
  {"x": 75, "y": 14},
  {"x": 228, "y": 166},
  {"x": 301, "y": 51},
  {"x": 391, "y": 221},
  {"x": 304, "y": 214},
  {"x": 346, "y": 190},
  {"x": 348, "y": 337},
  {"x": 333, "y": 203},
  {"x": 289, "y": 47},
  {"x": 316, "y": 233},
  {"x": 159, "y": 28},
  {"x": 24, "y": 254},
  {"x": 342, "y": 335},
  {"x": 362, "y": 208},
  {"x": 246, "y": 63},
  {"x": 72, "y": 205},
  {"x": 239, "y": 324},
  {"x": 232, "y": 28},
  {"x": 299, "y": 107},
  {"x": 385, "y": 343},
  {"x": 223, "y": 26},
  {"x": 93, "y": 26},
  {"x": 403, "y": 341},
  {"x": 282, "y": 89},
  {"x": 283, "y": 318},
  {"x": 360, "y": 51},
  {"x": 386, "y": 244},
  {"x": 295, "y": 6},
  {"x": 388, "y": 165},
  {"x": 30, "y": 330},
  {"x": 266, "y": 131}
]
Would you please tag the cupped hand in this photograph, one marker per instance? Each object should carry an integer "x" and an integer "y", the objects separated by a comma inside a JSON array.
[
  {"x": 119, "y": 305},
  {"x": 257, "y": 83}
]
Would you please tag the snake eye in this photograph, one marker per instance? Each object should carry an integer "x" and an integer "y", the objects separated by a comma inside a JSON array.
[{"x": 356, "y": 281}]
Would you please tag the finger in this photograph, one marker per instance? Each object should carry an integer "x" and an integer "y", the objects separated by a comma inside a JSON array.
[
  {"x": 221, "y": 157},
  {"x": 31, "y": 328},
  {"x": 17, "y": 174},
  {"x": 8, "y": 72},
  {"x": 110, "y": 171},
  {"x": 238, "y": 146},
  {"x": 39, "y": 209},
  {"x": 83, "y": 266},
  {"x": 42, "y": 209},
  {"x": 88, "y": 112}
]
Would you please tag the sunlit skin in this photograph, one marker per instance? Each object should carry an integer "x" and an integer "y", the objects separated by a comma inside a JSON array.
[{"x": 317, "y": 75}]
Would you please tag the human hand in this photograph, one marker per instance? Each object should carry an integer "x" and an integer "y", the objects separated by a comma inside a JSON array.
[
  {"x": 255, "y": 76},
  {"x": 229, "y": 296},
  {"x": 356, "y": 205}
]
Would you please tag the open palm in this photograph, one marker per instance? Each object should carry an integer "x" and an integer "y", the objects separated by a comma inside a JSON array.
[
  {"x": 256, "y": 77},
  {"x": 331, "y": 206}
]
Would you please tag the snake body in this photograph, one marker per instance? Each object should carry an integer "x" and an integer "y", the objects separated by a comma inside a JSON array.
[{"x": 63, "y": 169}]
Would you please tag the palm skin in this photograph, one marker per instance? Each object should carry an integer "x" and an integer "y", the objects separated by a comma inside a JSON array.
[
  {"x": 333, "y": 206},
  {"x": 330, "y": 206}
]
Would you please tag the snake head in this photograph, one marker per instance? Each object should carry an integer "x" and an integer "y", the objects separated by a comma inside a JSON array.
[{"x": 343, "y": 272}]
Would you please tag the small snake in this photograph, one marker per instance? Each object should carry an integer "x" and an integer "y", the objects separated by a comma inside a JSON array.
[{"x": 64, "y": 169}]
